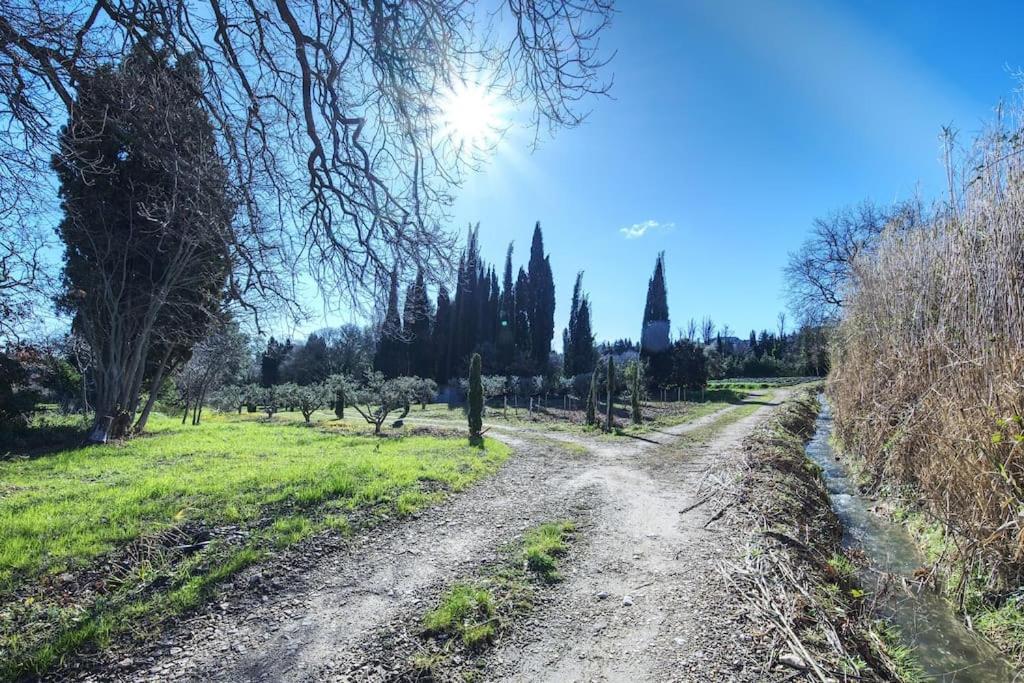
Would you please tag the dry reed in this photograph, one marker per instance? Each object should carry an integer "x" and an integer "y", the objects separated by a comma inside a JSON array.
[{"x": 928, "y": 363}]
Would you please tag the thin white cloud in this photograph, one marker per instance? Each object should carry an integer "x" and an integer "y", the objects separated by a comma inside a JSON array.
[{"x": 638, "y": 230}]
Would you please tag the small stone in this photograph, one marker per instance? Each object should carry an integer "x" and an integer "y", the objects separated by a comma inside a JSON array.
[
  {"x": 126, "y": 662},
  {"x": 792, "y": 660},
  {"x": 602, "y": 595},
  {"x": 627, "y": 601},
  {"x": 679, "y": 641}
]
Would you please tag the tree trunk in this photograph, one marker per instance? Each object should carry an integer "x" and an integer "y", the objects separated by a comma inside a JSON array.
[{"x": 154, "y": 391}]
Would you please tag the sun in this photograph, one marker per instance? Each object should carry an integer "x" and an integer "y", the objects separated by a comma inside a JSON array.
[{"x": 471, "y": 115}]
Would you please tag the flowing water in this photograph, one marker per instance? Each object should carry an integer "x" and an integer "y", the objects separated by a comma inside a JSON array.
[{"x": 942, "y": 644}]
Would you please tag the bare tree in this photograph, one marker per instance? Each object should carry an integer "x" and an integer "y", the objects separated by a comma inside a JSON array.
[
  {"x": 330, "y": 114},
  {"x": 23, "y": 278},
  {"x": 707, "y": 330},
  {"x": 817, "y": 274}
]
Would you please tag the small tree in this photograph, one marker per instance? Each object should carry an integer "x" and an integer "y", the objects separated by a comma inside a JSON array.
[
  {"x": 592, "y": 399},
  {"x": 380, "y": 397},
  {"x": 229, "y": 398},
  {"x": 634, "y": 398},
  {"x": 270, "y": 399},
  {"x": 311, "y": 398},
  {"x": 476, "y": 400},
  {"x": 610, "y": 422},
  {"x": 288, "y": 395},
  {"x": 425, "y": 390}
]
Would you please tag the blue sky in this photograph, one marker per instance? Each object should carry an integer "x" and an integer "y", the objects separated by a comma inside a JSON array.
[{"x": 733, "y": 124}]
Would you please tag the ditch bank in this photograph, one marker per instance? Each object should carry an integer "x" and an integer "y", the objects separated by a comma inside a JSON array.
[
  {"x": 800, "y": 585},
  {"x": 900, "y": 577}
]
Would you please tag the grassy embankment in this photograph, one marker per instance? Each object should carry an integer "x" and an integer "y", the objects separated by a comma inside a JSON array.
[
  {"x": 99, "y": 541},
  {"x": 795, "y": 574}
]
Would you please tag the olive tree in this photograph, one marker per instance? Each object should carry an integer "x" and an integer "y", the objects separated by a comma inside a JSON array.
[
  {"x": 379, "y": 397},
  {"x": 425, "y": 390},
  {"x": 311, "y": 398}
]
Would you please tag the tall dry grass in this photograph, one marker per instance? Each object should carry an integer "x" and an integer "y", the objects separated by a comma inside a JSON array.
[{"x": 928, "y": 362}]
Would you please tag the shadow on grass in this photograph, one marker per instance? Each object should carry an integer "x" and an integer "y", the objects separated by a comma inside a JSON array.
[{"x": 37, "y": 441}]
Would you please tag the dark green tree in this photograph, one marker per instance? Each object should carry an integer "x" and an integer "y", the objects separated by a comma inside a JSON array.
[
  {"x": 271, "y": 360},
  {"x": 442, "y": 335},
  {"x": 542, "y": 302},
  {"x": 524, "y": 338},
  {"x": 689, "y": 365},
  {"x": 476, "y": 399},
  {"x": 417, "y": 324},
  {"x": 634, "y": 394},
  {"x": 147, "y": 224},
  {"x": 610, "y": 379},
  {"x": 308, "y": 363},
  {"x": 592, "y": 400},
  {"x": 506, "y": 341},
  {"x": 654, "y": 335},
  {"x": 390, "y": 356},
  {"x": 578, "y": 339}
]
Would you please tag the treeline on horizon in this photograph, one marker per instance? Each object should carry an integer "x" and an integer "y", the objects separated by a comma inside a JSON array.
[{"x": 508, "y": 321}]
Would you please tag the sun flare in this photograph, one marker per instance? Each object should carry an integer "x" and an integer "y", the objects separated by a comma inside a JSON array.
[{"x": 471, "y": 115}]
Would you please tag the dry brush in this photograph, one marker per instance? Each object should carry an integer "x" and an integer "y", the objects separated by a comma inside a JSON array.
[{"x": 928, "y": 365}]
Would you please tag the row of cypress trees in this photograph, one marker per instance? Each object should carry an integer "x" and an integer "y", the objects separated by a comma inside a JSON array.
[{"x": 510, "y": 323}]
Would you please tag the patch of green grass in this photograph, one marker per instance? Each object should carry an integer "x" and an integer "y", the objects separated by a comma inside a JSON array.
[
  {"x": 1003, "y": 625},
  {"x": 888, "y": 639},
  {"x": 543, "y": 545},
  {"x": 68, "y": 511},
  {"x": 471, "y": 613},
  {"x": 466, "y": 612},
  {"x": 842, "y": 566}
]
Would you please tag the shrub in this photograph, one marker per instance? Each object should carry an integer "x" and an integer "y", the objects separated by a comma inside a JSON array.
[{"x": 17, "y": 401}]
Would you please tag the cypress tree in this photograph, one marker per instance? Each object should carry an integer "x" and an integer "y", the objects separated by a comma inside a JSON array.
[
  {"x": 569, "y": 342},
  {"x": 418, "y": 320},
  {"x": 634, "y": 398},
  {"x": 592, "y": 399},
  {"x": 542, "y": 301},
  {"x": 390, "y": 355},
  {"x": 468, "y": 307},
  {"x": 583, "y": 352},
  {"x": 654, "y": 336},
  {"x": 339, "y": 401},
  {"x": 611, "y": 393},
  {"x": 523, "y": 306},
  {"x": 476, "y": 399},
  {"x": 441, "y": 338},
  {"x": 507, "y": 317}
]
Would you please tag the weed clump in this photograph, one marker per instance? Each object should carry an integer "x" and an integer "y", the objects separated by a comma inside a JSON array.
[
  {"x": 466, "y": 612},
  {"x": 544, "y": 545}
]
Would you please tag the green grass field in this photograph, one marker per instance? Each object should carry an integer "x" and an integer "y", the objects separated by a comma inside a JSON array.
[{"x": 67, "y": 517}]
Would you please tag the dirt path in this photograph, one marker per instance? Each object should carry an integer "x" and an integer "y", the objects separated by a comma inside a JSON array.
[
  {"x": 646, "y": 602},
  {"x": 326, "y": 620}
]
